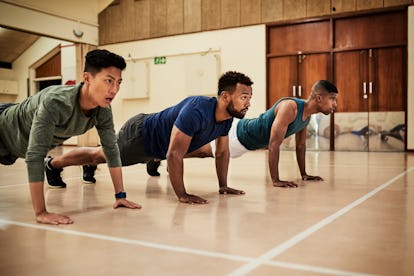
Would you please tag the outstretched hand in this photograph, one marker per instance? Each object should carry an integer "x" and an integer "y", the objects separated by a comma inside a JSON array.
[
  {"x": 192, "y": 199},
  {"x": 306, "y": 177},
  {"x": 228, "y": 190},
  {"x": 285, "y": 184},
  {"x": 51, "y": 218},
  {"x": 123, "y": 202}
]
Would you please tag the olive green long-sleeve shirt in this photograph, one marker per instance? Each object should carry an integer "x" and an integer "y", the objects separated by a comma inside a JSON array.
[{"x": 43, "y": 121}]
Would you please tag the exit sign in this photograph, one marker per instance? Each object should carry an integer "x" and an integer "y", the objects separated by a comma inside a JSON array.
[{"x": 160, "y": 60}]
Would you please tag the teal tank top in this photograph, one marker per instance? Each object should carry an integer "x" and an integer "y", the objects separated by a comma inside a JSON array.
[{"x": 255, "y": 133}]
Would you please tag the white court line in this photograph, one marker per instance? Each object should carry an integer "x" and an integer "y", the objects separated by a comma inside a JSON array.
[
  {"x": 4, "y": 223},
  {"x": 309, "y": 231}
]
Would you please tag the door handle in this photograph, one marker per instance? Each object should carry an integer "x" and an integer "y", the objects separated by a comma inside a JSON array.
[
  {"x": 370, "y": 87},
  {"x": 294, "y": 91},
  {"x": 300, "y": 91},
  {"x": 364, "y": 89}
]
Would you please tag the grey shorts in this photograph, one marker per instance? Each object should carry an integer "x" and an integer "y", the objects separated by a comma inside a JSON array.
[
  {"x": 130, "y": 142},
  {"x": 6, "y": 158}
]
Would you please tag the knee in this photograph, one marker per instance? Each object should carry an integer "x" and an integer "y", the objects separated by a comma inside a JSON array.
[{"x": 97, "y": 156}]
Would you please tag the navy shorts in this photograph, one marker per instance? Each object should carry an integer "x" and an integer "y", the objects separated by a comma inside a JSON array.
[{"x": 130, "y": 142}]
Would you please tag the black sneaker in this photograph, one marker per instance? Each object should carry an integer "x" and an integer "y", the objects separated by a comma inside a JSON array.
[
  {"x": 53, "y": 175},
  {"x": 88, "y": 172},
  {"x": 152, "y": 167}
]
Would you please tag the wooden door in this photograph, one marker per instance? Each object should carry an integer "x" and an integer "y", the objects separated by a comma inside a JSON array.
[
  {"x": 350, "y": 77},
  {"x": 387, "y": 79},
  {"x": 312, "y": 67},
  {"x": 282, "y": 78}
]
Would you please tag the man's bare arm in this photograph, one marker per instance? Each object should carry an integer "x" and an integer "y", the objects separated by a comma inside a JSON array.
[
  {"x": 222, "y": 165},
  {"x": 285, "y": 114},
  {"x": 301, "y": 156},
  {"x": 178, "y": 147}
]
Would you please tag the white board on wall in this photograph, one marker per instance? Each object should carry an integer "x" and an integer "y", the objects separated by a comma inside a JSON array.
[
  {"x": 135, "y": 80},
  {"x": 202, "y": 73},
  {"x": 196, "y": 73}
]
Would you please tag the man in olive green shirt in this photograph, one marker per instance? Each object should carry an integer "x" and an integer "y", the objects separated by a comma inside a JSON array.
[{"x": 43, "y": 121}]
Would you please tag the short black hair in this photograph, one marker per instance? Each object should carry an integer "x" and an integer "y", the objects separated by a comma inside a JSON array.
[
  {"x": 326, "y": 86},
  {"x": 230, "y": 79},
  {"x": 96, "y": 60}
]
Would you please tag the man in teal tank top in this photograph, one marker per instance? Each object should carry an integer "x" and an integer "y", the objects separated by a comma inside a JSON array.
[
  {"x": 43, "y": 121},
  {"x": 286, "y": 117}
]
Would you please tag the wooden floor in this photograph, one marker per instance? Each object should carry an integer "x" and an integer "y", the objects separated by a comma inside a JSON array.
[{"x": 359, "y": 221}]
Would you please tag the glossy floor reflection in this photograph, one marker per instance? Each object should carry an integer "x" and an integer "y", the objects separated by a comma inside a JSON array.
[{"x": 358, "y": 221}]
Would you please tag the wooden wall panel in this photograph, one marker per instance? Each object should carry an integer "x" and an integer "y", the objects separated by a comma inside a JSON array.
[
  {"x": 127, "y": 19},
  {"x": 142, "y": 19},
  {"x": 317, "y": 7},
  {"x": 293, "y": 9},
  {"x": 192, "y": 16},
  {"x": 272, "y": 10},
  {"x": 175, "y": 17},
  {"x": 110, "y": 24},
  {"x": 158, "y": 15},
  {"x": 300, "y": 37},
  {"x": 370, "y": 31},
  {"x": 369, "y": 4},
  {"x": 210, "y": 14},
  {"x": 250, "y": 12},
  {"x": 390, "y": 3},
  {"x": 339, "y": 6},
  {"x": 50, "y": 68},
  {"x": 230, "y": 13}
]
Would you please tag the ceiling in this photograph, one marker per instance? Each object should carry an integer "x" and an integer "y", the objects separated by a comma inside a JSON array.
[{"x": 13, "y": 44}]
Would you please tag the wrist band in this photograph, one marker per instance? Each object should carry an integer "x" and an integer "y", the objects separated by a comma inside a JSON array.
[{"x": 120, "y": 195}]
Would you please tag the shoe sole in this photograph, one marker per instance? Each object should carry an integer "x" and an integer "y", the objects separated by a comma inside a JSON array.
[{"x": 55, "y": 187}]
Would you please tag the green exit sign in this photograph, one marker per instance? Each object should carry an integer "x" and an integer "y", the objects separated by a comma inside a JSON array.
[{"x": 160, "y": 60}]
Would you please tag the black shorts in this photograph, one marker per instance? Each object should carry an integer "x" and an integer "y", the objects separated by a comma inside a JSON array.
[
  {"x": 6, "y": 158},
  {"x": 130, "y": 142}
]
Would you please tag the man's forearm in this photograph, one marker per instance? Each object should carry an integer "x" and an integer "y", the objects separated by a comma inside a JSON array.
[
  {"x": 274, "y": 163},
  {"x": 175, "y": 172},
  {"x": 38, "y": 198},
  {"x": 222, "y": 167},
  {"x": 116, "y": 176},
  {"x": 300, "y": 157}
]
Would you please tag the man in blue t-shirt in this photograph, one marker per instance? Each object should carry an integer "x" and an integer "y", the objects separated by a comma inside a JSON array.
[
  {"x": 182, "y": 129},
  {"x": 286, "y": 117}
]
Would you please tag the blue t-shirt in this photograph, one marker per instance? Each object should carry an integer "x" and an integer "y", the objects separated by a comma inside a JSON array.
[
  {"x": 255, "y": 133},
  {"x": 195, "y": 116}
]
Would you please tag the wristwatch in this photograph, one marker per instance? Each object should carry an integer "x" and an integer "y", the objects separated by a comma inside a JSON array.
[{"x": 120, "y": 195}]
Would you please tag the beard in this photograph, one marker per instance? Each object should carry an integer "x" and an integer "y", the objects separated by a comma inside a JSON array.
[{"x": 233, "y": 112}]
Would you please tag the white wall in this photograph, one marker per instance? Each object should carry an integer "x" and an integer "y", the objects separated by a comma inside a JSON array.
[
  {"x": 242, "y": 50},
  {"x": 68, "y": 62},
  {"x": 410, "y": 89}
]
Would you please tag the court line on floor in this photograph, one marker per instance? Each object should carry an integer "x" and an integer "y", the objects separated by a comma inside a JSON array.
[
  {"x": 309, "y": 231},
  {"x": 4, "y": 223}
]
